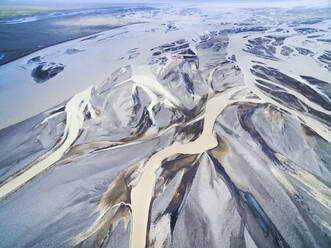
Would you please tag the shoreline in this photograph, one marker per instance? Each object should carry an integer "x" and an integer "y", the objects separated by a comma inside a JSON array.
[{"x": 60, "y": 42}]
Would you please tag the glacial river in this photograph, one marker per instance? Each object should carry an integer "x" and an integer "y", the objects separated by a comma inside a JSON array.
[{"x": 141, "y": 194}]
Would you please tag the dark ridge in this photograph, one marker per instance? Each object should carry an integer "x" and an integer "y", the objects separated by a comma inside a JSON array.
[
  {"x": 276, "y": 76},
  {"x": 133, "y": 55},
  {"x": 303, "y": 51},
  {"x": 186, "y": 77},
  {"x": 326, "y": 58},
  {"x": 258, "y": 62},
  {"x": 233, "y": 58},
  {"x": 314, "y": 36},
  {"x": 278, "y": 40},
  {"x": 245, "y": 120},
  {"x": 46, "y": 71},
  {"x": 244, "y": 29},
  {"x": 177, "y": 202},
  {"x": 250, "y": 206},
  {"x": 322, "y": 85},
  {"x": 292, "y": 102},
  {"x": 133, "y": 50},
  {"x": 172, "y": 73},
  {"x": 220, "y": 169},
  {"x": 194, "y": 112},
  {"x": 325, "y": 118},
  {"x": 71, "y": 51},
  {"x": 57, "y": 110},
  {"x": 187, "y": 179},
  {"x": 286, "y": 51},
  {"x": 188, "y": 83},
  {"x": 259, "y": 41},
  {"x": 270, "y": 86},
  {"x": 35, "y": 59},
  {"x": 179, "y": 47},
  {"x": 194, "y": 129},
  {"x": 136, "y": 100},
  {"x": 143, "y": 123},
  {"x": 205, "y": 45},
  {"x": 261, "y": 47},
  {"x": 284, "y": 98},
  {"x": 171, "y": 27},
  {"x": 325, "y": 40},
  {"x": 156, "y": 53},
  {"x": 188, "y": 51},
  {"x": 313, "y": 21},
  {"x": 306, "y": 30},
  {"x": 259, "y": 74},
  {"x": 90, "y": 38},
  {"x": 181, "y": 41},
  {"x": 168, "y": 45}
]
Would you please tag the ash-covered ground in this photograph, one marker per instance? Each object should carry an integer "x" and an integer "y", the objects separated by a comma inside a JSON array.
[{"x": 200, "y": 126}]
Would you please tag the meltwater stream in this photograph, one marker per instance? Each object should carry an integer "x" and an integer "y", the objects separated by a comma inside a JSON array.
[
  {"x": 141, "y": 194},
  {"x": 236, "y": 44},
  {"x": 74, "y": 122}
]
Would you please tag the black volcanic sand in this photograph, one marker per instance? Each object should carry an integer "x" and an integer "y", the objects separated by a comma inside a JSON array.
[{"x": 45, "y": 71}]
